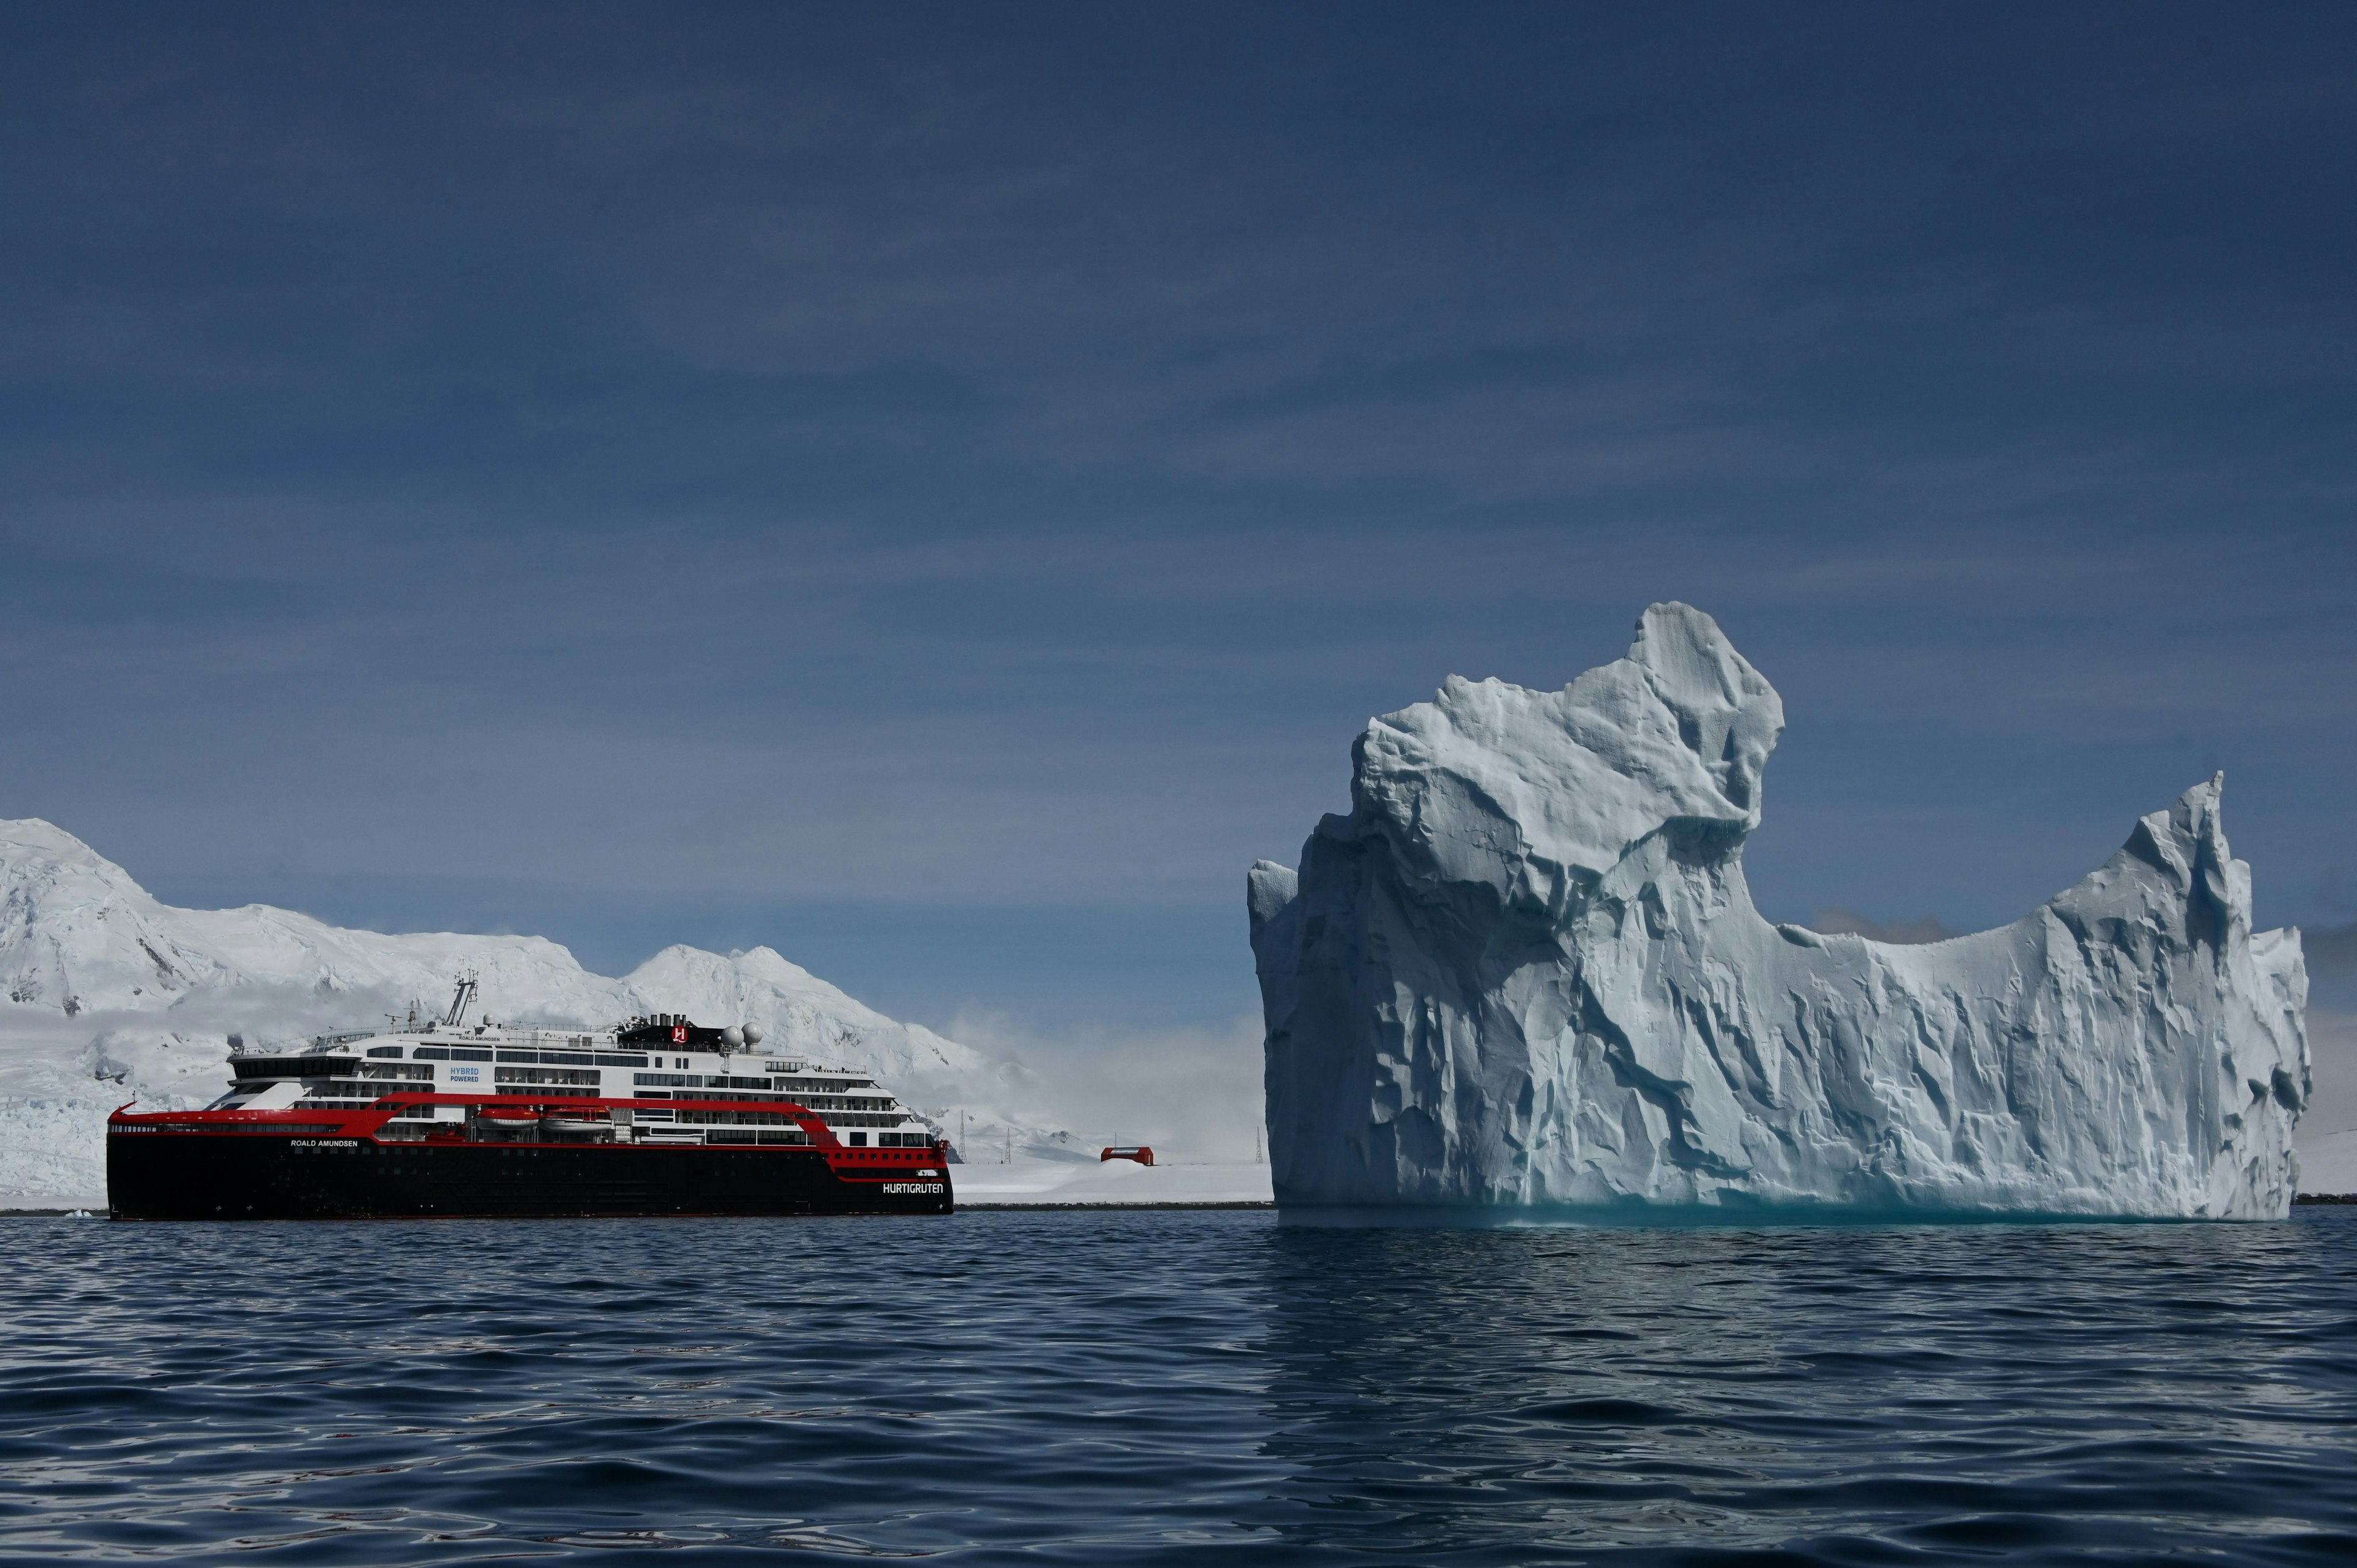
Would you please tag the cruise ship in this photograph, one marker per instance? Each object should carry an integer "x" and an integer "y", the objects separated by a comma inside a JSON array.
[{"x": 443, "y": 1118}]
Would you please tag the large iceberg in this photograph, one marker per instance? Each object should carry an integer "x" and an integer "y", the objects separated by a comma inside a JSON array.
[{"x": 1525, "y": 970}]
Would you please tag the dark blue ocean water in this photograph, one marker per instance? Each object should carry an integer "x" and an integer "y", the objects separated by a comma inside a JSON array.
[{"x": 1060, "y": 1388}]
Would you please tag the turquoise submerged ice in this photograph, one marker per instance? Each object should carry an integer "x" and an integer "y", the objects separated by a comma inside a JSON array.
[{"x": 1525, "y": 969}]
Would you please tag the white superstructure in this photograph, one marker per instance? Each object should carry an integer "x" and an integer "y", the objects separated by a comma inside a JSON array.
[{"x": 663, "y": 1057}]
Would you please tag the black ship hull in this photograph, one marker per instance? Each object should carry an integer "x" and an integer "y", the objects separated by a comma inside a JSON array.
[{"x": 254, "y": 1175}]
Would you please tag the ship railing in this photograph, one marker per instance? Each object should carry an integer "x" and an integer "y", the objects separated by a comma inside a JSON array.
[
  {"x": 522, "y": 1035},
  {"x": 554, "y": 1099}
]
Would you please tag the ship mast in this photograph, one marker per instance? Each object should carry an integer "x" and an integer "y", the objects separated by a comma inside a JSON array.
[{"x": 460, "y": 1000}]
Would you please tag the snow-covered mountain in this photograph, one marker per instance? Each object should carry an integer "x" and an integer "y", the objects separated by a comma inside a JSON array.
[{"x": 107, "y": 994}]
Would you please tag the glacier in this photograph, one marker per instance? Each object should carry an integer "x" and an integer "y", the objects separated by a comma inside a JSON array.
[
  {"x": 1525, "y": 970},
  {"x": 108, "y": 995}
]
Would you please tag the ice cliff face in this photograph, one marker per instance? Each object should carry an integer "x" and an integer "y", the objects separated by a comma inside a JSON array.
[
  {"x": 107, "y": 994},
  {"x": 1525, "y": 969}
]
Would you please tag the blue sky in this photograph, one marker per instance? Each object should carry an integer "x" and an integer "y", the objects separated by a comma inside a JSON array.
[{"x": 936, "y": 488}]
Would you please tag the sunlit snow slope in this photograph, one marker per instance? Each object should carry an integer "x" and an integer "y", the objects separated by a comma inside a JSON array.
[
  {"x": 107, "y": 995},
  {"x": 1525, "y": 969}
]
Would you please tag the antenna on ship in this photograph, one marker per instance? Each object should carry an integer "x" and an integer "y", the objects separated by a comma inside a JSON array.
[{"x": 460, "y": 1000}]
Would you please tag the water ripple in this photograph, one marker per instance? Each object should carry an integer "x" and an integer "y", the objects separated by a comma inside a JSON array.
[{"x": 1154, "y": 1388}]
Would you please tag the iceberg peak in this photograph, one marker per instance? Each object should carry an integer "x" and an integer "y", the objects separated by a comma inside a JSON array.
[{"x": 1539, "y": 793}]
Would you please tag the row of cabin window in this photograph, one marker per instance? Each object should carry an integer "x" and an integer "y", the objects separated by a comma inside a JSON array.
[
  {"x": 881, "y": 1113},
  {"x": 875, "y": 1114},
  {"x": 795, "y": 1135},
  {"x": 888, "y": 1118},
  {"x": 812, "y": 1095},
  {"x": 688, "y": 1116},
  {"x": 721, "y": 1080},
  {"x": 484, "y": 1054},
  {"x": 421, "y": 1077},
  {"x": 789, "y": 1133},
  {"x": 696, "y": 1080},
  {"x": 840, "y": 1101},
  {"x": 816, "y": 1102}
]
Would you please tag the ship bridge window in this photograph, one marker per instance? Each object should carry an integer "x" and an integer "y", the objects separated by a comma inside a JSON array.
[
  {"x": 292, "y": 1067},
  {"x": 392, "y": 1051}
]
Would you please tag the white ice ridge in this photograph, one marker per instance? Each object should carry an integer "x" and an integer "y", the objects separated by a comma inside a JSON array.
[{"x": 1525, "y": 970}]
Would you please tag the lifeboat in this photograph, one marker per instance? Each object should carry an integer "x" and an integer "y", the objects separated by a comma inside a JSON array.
[
  {"x": 516, "y": 1118},
  {"x": 575, "y": 1124}
]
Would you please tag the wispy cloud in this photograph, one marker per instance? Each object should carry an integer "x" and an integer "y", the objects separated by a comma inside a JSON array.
[{"x": 932, "y": 462}]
